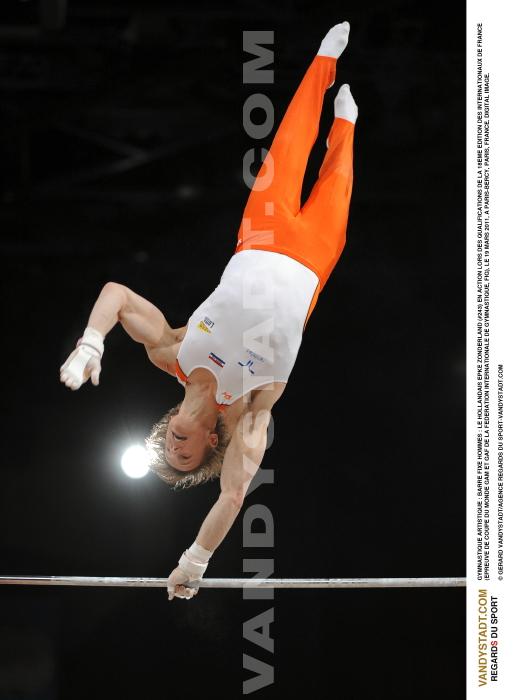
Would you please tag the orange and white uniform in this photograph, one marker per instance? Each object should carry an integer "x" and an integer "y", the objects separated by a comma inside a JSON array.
[
  {"x": 248, "y": 331},
  {"x": 290, "y": 249}
]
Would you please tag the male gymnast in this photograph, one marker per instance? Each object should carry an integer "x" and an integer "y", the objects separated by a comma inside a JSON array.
[{"x": 236, "y": 353}]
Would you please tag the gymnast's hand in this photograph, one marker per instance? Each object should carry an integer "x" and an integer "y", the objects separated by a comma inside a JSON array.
[
  {"x": 191, "y": 567},
  {"x": 176, "y": 585},
  {"x": 84, "y": 362}
]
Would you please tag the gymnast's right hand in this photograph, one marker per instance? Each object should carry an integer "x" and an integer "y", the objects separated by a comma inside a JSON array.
[{"x": 85, "y": 361}]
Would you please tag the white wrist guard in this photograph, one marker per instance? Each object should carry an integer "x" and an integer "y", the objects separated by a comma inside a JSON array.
[
  {"x": 194, "y": 560},
  {"x": 93, "y": 339}
]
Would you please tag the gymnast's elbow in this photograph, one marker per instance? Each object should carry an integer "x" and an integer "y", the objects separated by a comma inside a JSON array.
[
  {"x": 233, "y": 497},
  {"x": 114, "y": 290},
  {"x": 116, "y": 287}
]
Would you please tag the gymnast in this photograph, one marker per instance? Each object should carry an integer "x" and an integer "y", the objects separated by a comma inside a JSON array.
[{"x": 236, "y": 353}]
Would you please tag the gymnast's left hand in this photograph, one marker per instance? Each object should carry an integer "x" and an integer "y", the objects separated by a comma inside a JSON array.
[
  {"x": 177, "y": 585},
  {"x": 84, "y": 362}
]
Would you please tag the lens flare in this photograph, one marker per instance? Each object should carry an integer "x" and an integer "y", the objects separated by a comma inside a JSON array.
[{"x": 134, "y": 462}]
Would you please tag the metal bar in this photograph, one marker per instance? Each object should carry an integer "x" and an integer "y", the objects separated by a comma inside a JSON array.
[{"x": 124, "y": 582}]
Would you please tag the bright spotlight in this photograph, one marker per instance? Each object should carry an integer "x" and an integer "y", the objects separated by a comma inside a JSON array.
[{"x": 134, "y": 462}]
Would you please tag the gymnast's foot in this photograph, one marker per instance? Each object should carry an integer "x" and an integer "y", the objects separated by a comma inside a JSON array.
[
  {"x": 335, "y": 41},
  {"x": 345, "y": 107}
]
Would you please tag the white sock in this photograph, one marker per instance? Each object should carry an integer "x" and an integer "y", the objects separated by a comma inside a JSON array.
[
  {"x": 335, "y": 41},
  {"x": 345, "y": 106}
]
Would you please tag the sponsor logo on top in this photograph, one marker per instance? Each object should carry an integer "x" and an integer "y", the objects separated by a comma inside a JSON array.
[
  {"x": 216, "y": 360},
  {"x": 252, "y": 354},
  {"x": 248, "y": 364},
  {"x": 206, "y": 325}
]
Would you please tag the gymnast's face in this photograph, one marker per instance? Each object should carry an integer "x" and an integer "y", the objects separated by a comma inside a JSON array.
[{"x": 187, "y": 442}]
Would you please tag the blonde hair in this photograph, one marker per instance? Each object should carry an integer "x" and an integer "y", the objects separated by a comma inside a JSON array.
[{"x": 209, "y": 469}]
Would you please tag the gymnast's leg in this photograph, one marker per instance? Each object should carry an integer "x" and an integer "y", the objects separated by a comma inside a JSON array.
[
  {"x": 277, "y": 188},
  {"x": 325, "y": 214}
]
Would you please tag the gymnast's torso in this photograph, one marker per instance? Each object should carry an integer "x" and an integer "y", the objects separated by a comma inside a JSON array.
[{"x": 247, "y": 333}]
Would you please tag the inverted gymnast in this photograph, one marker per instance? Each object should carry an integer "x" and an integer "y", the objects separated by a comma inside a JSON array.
[{"x": 236, "y": 353}]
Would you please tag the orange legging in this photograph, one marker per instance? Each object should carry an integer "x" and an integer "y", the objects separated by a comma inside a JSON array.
[{"x": 273, "y": 219}]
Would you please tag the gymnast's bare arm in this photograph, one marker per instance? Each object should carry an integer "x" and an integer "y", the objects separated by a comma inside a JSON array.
[
  {"x": 143, "y": 322},
  {"x": 242, "y": 459}
]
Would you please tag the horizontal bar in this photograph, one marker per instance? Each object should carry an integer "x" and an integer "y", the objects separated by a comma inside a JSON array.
[{"x": 124, "y": 582}]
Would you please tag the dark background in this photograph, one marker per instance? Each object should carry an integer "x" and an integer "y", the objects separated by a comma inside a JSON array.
[{"x": 121, "y": 154}]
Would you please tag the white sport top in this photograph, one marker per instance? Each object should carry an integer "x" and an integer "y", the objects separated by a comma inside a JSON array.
[{"x": 248, "y": 331}]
